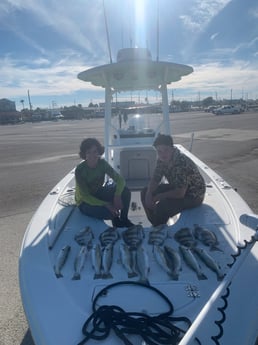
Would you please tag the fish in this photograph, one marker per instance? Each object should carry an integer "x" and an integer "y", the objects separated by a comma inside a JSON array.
[
  {"x": 209, "y": 262},
  {"x": 107, "y": 260},
  {"x": 158, "y": 234},
  {"x": 127, "y": 260},
  {"x": 185, "y": 237},
  {"x": 207, "y": 237},
  {"x": 110, "y": 235},
  {"x": 84, "y": 237},
  {"x": 61, "y": 260},
  {"x": 96, "y": 258},
  {"x": 133, "y": 236},
  {"x": 192, "y": 262},
  {"x": 159, "y": 255},
  {"x": 79, "y": 263},
  {"x": 143, "y": 266},
  {"x": 173, "y": 260}
]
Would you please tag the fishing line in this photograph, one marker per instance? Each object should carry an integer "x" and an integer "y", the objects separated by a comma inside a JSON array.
[{"x": 154, "y": 330}]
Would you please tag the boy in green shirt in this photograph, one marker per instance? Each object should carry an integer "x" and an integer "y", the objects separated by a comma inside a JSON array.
[{"x": 92, "y": 196}]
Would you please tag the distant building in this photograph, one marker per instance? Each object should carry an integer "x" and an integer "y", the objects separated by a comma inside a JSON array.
[
  {"x": 8, "y": 113},
  {"x": 7, "y": 105}
]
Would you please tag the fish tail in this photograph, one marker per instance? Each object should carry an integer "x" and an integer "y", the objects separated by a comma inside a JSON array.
[
  {"x": 144, "y": 281},
  {"x": 59, "y": 275},
  {"x": 97, "y": 276},
  {"x": 220, "y": 277},
  {"x": 202, "y": 276},
  {"x": 76, "y": 276},
  {"x": 217, "y": 249},
  {"x": 174, "y": 276},
  {"x": 107, "y": 275},
  {"x": 132, "y": 274}
]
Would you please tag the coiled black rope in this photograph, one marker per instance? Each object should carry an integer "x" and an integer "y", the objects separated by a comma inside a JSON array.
[{"x": 154, "y": 330}]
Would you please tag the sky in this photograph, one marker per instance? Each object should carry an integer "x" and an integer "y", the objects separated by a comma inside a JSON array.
[{"x": 44, "y": 44}]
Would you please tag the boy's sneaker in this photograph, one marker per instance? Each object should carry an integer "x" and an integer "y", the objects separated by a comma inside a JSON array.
[
  {"x": 127, "y": 223},
  {"x": 118, "y": 223}
]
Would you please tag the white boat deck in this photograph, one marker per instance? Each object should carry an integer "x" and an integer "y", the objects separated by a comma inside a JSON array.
[{"x": 72, "y": 299}]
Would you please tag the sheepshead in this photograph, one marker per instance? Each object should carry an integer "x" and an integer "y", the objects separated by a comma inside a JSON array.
[
  {"x": 192, "y": 262},
  {"x": 133, "y": 236},
  {"x": 158, "y": 234},
  {"x": 110, "y": 235},
  {"x": 174, "y": 261},
  {"x": 209, "y": 262},
  {"x": 159, "y": 255},
  {"x": 143, "y": 266},
  {"x": 207, "y": 237},
  {"x": 127, "y": 260},
  {"x": 84, "y": 237},
  {"x": 61, "y": 260},
  {"x": 96, "y": 260},
  {"x": 185, "y": 237},
  {"x": 107, "y": 260},
  {"x": 79, "y": 262}
]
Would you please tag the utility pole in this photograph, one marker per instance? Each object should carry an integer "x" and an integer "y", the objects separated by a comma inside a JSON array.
[{"x": 29, "y": 100}]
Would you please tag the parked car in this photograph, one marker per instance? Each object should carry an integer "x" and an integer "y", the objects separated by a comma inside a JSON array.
[
  {"x": 227, "y": 109},
  {"x": 210, "y": 108}
]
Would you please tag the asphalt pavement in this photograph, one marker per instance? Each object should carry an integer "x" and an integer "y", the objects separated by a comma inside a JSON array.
[{"x": 35, "y": 156}]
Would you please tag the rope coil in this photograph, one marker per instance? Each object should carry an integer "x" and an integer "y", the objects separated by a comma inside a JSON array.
[{"x": 154, "y": 330}]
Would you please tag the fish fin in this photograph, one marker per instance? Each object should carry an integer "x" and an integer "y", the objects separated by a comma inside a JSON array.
[
  {"x": 132, "y": 275},
  {"x": 76, "y": 276}
]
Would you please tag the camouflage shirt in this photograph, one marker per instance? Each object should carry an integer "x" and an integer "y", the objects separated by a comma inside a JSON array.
[{"x": 181, "y": 172}]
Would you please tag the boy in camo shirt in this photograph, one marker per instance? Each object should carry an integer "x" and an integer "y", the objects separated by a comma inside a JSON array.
[{"x": 184, "y": 188}]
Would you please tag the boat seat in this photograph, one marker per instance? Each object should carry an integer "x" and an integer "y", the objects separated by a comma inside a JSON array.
[{"x": 137, "y": 166}]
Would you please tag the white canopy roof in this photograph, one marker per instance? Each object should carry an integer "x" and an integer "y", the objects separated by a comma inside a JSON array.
[{"x": 134, "y": 70}]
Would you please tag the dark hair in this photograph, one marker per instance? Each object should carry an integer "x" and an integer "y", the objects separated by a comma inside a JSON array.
[
  {"x": 163, "y": 139},
  {"x": 87, "y": 144}
]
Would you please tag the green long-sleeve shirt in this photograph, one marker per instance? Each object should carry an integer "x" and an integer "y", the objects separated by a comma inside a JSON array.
[{"x": 89, "y": 180}]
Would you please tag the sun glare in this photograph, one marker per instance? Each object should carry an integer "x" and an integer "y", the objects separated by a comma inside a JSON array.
[{"x": 140, "y": 22}]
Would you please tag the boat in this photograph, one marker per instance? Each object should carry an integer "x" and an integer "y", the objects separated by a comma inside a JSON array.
[{"x": 201, "y": 294}]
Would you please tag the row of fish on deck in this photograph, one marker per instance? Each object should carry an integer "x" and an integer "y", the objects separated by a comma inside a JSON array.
[{"x": 134, "y": 256}]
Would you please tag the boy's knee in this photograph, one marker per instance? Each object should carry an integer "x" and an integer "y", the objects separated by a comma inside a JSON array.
[{"x": 143, "y": 193}]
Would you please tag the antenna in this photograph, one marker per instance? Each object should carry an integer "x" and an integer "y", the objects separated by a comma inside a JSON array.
[
  {"x": 157, "y": 30},
  {"x": 106, "y": 26}
]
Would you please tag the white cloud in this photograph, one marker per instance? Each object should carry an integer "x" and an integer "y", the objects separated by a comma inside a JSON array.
[
  {"x": 43, "y": 78},
  {"x": 201, "y": 12},
  {"x": 254, "y": 12},
  {"x": 212, "y": 78},
  {"x": 80, "y": 26},
  {"x": 214, "y": 36}
]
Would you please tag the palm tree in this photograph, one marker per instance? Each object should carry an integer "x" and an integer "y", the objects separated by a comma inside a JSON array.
[{"x": 22, "y": 101}]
